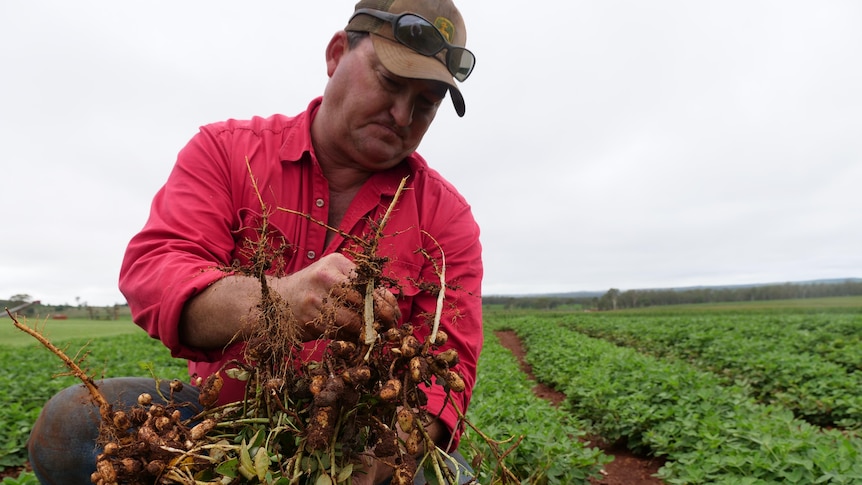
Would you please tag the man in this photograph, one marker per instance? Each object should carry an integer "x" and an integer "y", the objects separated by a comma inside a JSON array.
[{"x": 339, "y": 162}]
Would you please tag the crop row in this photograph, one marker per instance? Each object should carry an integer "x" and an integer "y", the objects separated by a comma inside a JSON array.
[
  {"x": 833, "y": 336},
  {"x": 709, "y": 432},
  {"x": 782, "y": 359},
  {"x": 504, "y": 408}
]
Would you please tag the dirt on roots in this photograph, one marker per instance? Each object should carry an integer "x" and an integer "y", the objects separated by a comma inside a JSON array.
[{"x": 627, "y": 468}]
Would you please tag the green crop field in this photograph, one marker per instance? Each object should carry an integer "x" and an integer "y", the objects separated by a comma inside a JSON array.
[
  {"x": 753, "y": 393},
  {"x": 845, "y": 304},
  {"x": 732, "y": 394},
  {"x": 62, "y": 330},
  {"x": 29, "y": 374}
]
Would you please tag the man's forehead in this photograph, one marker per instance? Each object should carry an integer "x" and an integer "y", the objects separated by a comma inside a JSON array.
[{"x": 431, "y": 86}]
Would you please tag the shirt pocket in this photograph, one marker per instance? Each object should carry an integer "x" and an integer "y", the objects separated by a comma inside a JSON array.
[
  {"x": 248, "y": 237},
  {"x": 407, "y": 274}
]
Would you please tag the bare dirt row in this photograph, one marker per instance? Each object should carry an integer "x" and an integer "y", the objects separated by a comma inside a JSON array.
[{"x": 627, "y": 468}]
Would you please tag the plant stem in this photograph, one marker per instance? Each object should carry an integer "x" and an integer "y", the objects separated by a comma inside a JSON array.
[{"x": 104, "y": 406}]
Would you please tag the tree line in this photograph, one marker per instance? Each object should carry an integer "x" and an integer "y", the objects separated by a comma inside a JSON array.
[
  {"x": 542, "y": 302},
  {"x": 615, "y": 299}
]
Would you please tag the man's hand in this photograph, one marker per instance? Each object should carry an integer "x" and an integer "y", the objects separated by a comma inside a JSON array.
[
  {"x": 371, "y": 473},
  {"x": 374, "y": 472},
  {"x": 324, "y": 302},
  {"x": 213, "y": 318}
]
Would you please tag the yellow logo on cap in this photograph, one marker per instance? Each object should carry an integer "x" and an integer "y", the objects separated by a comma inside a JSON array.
[{"x": 445, "y": 27}]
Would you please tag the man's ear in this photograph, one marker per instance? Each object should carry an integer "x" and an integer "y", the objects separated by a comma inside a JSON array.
[{"x": 335, "y": 50}]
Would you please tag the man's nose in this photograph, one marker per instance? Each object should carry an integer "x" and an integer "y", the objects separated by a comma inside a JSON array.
[{"x": 402, "y": 110}]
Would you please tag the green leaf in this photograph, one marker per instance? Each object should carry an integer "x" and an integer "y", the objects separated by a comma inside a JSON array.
[
  {"x": 323, "y": 479},
  {"x": 238, "y": 374},
  {"x": 257, "y": 440},
  {"x": 228, "y": 468},
  {"x": 261, "y": 463},
  {"x": 345, "y": 473},
  {"x": 430, "y": 476}
]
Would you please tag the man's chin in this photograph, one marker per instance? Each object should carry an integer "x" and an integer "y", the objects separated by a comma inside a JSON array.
[
  {"x": 379, "y": 156},
  {"x": 380, "y": 165}
]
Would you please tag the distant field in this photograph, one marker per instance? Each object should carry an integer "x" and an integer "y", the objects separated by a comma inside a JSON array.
[
  {"x": 850, "y": 304},
  {"x": 60, "y": 330},
  {"x": 843, "y": 303}
]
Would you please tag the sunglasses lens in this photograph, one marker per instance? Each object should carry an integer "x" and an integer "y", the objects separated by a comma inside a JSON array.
[
  {"x": 461, "y": 62},
  {"x": 416, "y": 33},
  {"x": 419, "y": 35}
]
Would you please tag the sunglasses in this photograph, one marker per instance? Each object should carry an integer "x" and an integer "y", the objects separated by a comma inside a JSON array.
[{"x": 423, "y": 37}]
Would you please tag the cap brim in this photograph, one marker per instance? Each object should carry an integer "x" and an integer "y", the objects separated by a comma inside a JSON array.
[{"x": 405, "y": 62}]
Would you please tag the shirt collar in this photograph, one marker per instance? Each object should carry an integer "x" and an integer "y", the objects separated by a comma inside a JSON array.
[{"x": 298, "y": 141}]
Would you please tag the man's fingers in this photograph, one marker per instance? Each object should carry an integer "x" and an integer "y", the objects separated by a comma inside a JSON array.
[
  {"x": 347, "y": 295},
  {"x": 346, "y": 307},
  {"x": 335, "y": 321},
  {"x": 348, "y": 323},
  {"x": 386, "y": 307}
]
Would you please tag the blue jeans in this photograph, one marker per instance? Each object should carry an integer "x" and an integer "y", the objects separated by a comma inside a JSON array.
[{"x": 62, "y": 445}]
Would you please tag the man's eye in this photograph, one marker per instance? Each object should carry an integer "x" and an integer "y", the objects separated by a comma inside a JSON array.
[
  {"x": 388, "y": 82},
  {"x": 426, "y": 102}
]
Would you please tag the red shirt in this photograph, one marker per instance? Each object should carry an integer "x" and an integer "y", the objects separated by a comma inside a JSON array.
[{"x": 208, "y": 207}]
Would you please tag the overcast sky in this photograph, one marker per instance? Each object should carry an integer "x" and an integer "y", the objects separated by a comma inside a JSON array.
[{"x": 625, "y": 144}]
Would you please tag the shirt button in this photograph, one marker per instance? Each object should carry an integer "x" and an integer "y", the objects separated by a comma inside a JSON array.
[
  {"x": 319, "y": 202},
  {"x": 311, "y": 255}
]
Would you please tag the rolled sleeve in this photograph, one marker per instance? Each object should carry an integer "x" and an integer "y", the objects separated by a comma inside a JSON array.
[{"x": 185, "y": 244}]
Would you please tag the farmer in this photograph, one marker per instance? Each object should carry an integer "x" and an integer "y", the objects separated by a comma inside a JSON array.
[{"x": 339, "y": 161}]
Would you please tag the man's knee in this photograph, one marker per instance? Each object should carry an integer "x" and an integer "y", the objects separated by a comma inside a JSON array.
[
  {"x": 63, "y": 440},
  {"x": 63, "y": 443}
]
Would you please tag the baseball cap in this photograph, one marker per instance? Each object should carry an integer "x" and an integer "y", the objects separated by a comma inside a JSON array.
[{"x": 405, "y": 61}]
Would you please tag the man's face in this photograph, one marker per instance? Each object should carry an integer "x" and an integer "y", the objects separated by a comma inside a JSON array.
[{"x": 370, "y": 116}]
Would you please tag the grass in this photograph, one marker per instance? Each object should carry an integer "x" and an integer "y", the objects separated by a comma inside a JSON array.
[{"x": 62, "y": 330}]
